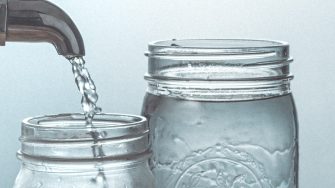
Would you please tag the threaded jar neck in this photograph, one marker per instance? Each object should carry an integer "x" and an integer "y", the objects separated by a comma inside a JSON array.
[
  {"x": 219, "y": 69},
  {"x": 65, "y": 138}
]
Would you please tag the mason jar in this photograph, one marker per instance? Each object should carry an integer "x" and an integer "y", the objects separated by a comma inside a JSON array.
[
  {"x": 221, "y": 114},
  {"x": 57, "y": 152}
]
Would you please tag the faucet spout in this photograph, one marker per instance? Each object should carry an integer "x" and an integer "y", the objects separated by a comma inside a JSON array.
[{"x": 40, "y": 21}]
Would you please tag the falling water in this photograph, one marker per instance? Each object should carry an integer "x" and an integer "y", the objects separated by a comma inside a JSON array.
[{"x": 89, "y": 99}]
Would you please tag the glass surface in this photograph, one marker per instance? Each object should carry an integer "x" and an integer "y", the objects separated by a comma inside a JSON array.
[
  {"x": 58, "y": 151},
  {"x": 251, "y": 144},
  {"x": 221, "y": 114}
]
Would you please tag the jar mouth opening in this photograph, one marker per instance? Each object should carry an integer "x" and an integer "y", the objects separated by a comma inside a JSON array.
[
  {"x": 208, "y": 47},
  {"x": 77, "y": 121},
  {"x": 218, "y": 43},
  {"x": 72, "y": 127}
]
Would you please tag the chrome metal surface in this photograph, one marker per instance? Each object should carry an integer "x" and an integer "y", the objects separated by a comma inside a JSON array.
[
  {"x": 40, "y": 21},
  {"x": 3, "y": 21}
]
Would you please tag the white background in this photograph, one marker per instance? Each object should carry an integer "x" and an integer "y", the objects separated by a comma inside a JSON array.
[{"x": 35, "y": 80}]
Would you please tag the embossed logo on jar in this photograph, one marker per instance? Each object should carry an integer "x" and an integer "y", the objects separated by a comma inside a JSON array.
[
  {"x": 219, "y": 172},
  {"x": 220, "y": 167}
]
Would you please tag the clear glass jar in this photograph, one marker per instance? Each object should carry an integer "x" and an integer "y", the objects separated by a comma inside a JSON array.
[
  {"x": 57, "y": 152},
  {"x": 221, "y": 114}
]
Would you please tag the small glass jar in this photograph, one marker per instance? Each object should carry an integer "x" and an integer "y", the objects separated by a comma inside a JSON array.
[
  {"x": 57, "y": 152},
  {"x": 221, "y": 114}
]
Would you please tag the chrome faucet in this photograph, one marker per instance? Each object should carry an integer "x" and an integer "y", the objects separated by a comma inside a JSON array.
[{"x": 39, "y": 21}]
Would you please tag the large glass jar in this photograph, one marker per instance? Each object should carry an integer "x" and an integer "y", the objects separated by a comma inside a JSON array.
[
  {"x": 221, "y": 114},
  {"x": 57, "y": 152}
]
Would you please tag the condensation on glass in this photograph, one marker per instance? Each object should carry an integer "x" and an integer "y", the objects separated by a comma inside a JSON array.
[
  {"x": 221, "y": 114},
  {"x": 57, "y": 150}
]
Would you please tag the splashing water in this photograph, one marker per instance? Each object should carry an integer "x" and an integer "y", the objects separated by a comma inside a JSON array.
[{"x": 89, "y": 99}]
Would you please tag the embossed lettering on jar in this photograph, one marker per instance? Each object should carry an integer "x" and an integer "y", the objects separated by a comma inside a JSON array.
[{"x": 221, "y": 114}]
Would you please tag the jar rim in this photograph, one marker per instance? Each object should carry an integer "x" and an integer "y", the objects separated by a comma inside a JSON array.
[
  {"x": 242, "y": 69},
  {"x": 210, "y": 47},
  {"x": 233, "y": 43},
  {"x": 72, "y": 127},
  {"x": 66, "y": 136},
  {"x": 77, "y": 120}
]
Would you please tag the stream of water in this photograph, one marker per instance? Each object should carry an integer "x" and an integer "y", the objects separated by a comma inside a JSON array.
[{"x": 89, "y": 101}]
